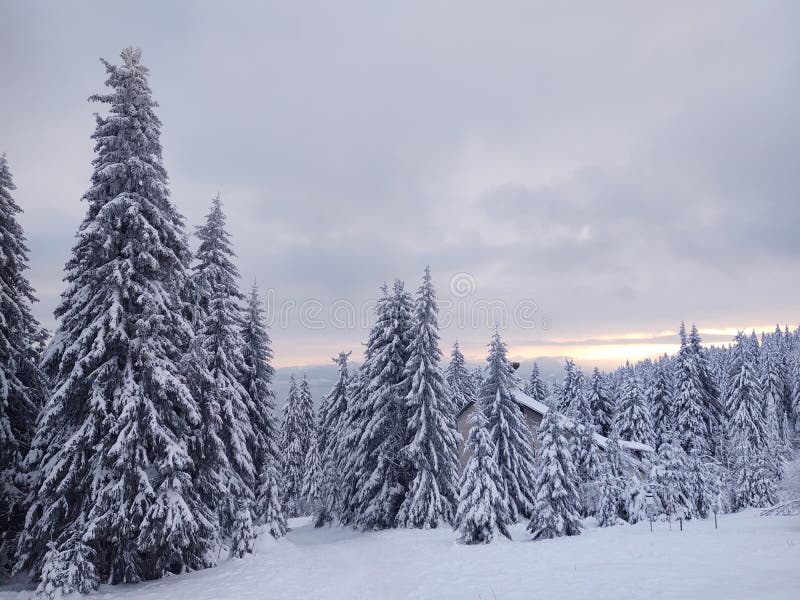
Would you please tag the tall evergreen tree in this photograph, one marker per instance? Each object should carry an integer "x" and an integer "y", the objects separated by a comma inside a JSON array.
[
  {"x": 477, "y": 377},
  {"x": 772, "y": 380},
  {"x": 311, "y": 475},
  {"x": 482, "y": 504},
  {"x": 460, "y": 380},
  {"x": 508, "y": 430},
  {"x": 348, "y": 442},
  {"x": 21, "y": 382},
  {"x": 691, "y": 410},
  {"x": 795, "y": 399},
  {"x": 226, "y": 400},
  {"x": 601, "y": 403},
  {"x": 293, "y": 441},
  {"x": 714, "y": 407},
  {"x": 659, "y": 400},
  {"x": 584, "y": 450},
  {"x": 257, "y": 380},
  {"x": 332, "y": 432},
  {"x": 557, "y": 505},
  {"x": 572, "y": 387},
  {"x": 307, "y": 419},
  {"x": 753, "y": 466},
  {"x": 744, "y": 400},
  {"x": 111, "y": 471},
  {"x": 381, "y": 469},
  {"x": 633, "y": 416},
  {"x": 433, "y": 447}
]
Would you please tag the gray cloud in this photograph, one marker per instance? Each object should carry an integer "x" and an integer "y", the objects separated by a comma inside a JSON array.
[{"x": 625, "y": 166}]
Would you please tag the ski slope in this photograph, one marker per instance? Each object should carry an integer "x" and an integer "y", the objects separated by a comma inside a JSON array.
[{"x": 748, "y": 557}]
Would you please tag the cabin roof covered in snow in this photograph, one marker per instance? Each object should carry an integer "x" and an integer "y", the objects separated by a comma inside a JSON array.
[{"x": 537, "y": 407}]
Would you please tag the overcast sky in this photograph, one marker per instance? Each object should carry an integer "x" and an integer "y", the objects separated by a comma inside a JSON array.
[{"x": 604, "y": 170}]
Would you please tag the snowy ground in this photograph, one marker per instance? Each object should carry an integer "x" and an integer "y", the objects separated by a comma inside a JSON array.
[{"x": 748, "y": 557}]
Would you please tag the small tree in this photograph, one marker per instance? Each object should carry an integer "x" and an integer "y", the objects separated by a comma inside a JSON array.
[
  {"x": 270, "y": 507},
  {"x": 67, "y": 568},
  {"x": 242, "y": 532},
  {"x": 671, "y": 475},
  {"x": 609, "y": 495},
  {"x": 557, "y": 503}
]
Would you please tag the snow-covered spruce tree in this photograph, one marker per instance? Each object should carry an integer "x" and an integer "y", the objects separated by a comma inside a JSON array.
[
  {"x": 307, "y": 419},
  {"x": 242, "y": 532},
  {"x": 633, "y": 415},
  {"x": 215, "y": 279},
  {"x": 584, "y": 450},
  {"x": 21, "y": 381},
  {"x": 795, "y": 399},
  {"x": 752, "y": 463},
  {"x": 772, "y": 380},
  {"x": 377, "y": 458},
  {"x": 601, "y": 403},
  {"x": 332, "y": 431},
  {"x": 702, "y": 477},
  {"x": 477, "y": 377},
  {"x": 610, "y": 491},
  {"x": 671, "y": 476},
  {"x": 311, "y": 475},
  {"x": 347, "y": 442},
  {"x": 691, "y": 411},
  {"x": 67, "y": 569},
  {"x": 659, "y": 399},
  {"x": 111, "y": 472},
  {"x": 293, "y": 440},
  {"x": 613, "y": 484},
  {"x": 787, "y": 360},
  {"x": 535, "y": 387},
  {"x": 460, "y": 380},
  {"x": 753, "y": 477},
  {"x": 745, "y": 401},
  {"x": 482, "y": 503},
  {"x": 572, "y": 387},
  {"x": 556, "y": 508},
  {"x": 257, "y": 380},
  {"x": 510, "y": 435},
  {"x": 632, "y": 492},
  {"x": 432, "y": 450},
  {"x": 714, "y": 407}
]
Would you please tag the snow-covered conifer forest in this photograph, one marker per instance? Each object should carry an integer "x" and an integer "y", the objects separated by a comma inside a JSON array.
[{"x": 141, "y": 440}]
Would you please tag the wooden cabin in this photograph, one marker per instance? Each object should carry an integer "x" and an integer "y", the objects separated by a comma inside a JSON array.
[{"x": 534, "y": 412}]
